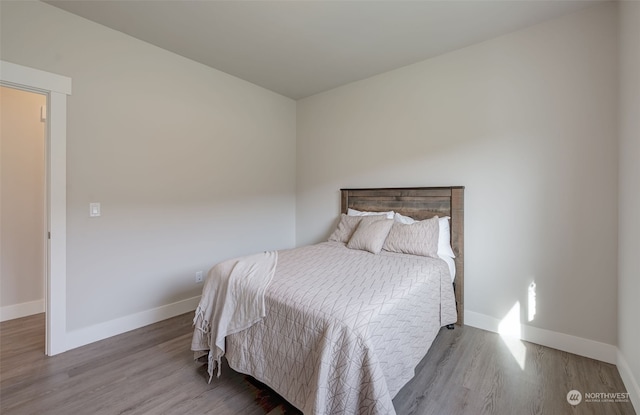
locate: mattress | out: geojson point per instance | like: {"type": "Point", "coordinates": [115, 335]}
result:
{"type": "Point", "coordinates": [344, 329]}
{"type": "Point", "coordinates": [451, 263]}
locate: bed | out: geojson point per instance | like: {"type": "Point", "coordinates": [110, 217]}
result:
{"type": "Point", "coordinates": [344, 328]}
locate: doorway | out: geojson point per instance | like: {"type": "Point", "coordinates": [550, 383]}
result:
{"type": "Point", "coordinates": [56, 88]}
{"type": "Point", "coordinates": [23, 203]}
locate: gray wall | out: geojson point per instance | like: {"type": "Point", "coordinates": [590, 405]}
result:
{"type": "Point", "coordinates": [191, 165]}
{"type": "Point", "coordinates": [528, 123]}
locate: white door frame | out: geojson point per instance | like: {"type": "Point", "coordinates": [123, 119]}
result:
{"type": "Point", "coordinates": [56, 87]}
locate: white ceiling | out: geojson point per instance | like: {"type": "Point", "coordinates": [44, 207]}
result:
{"type": "Point", "coordinates": [300, 48]}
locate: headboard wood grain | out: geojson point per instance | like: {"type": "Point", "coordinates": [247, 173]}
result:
{"type": "Point", "coordinates": [420, 203]}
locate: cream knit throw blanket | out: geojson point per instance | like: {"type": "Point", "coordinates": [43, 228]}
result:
{"type": "Point", "coordinates": [232, 300]}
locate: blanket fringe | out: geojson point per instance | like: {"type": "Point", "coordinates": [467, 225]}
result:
{"type": "Point", "coordinates": [215, 362]}
{"type": "Point", "coordinates": [200, 323]}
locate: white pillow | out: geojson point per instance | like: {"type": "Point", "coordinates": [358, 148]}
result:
{"type": "Point", "coordinates": [403, 219]}
{"type": "Point", "coordinates": [352, 212]}
{"type": "Point", "coordinates": [444, 237]}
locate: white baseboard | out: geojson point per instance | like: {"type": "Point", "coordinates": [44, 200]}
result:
{"type": "Point", "coordinates": [9, 312]}
{"type": "Point", "coordinates": [577, 345]}
{"type": "Point", "coordinates": [630, 382]}
{"type": "Point", "coordinates": [84, 336]}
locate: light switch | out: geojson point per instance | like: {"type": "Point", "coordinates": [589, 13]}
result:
{"type": "Point", "coordinates": [94, 209]}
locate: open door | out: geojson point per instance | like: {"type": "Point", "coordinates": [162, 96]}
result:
{"type": "Point", "coordinates": [56, 88]}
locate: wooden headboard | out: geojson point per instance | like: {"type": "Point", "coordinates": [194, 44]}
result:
{"type": "Point", "coordinates": [420, 203]}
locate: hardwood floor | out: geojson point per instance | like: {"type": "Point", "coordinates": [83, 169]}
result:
{"type": "Point", "coordinates": [150, 371]}
{"type": "Point", "coordinates": [472, 371]}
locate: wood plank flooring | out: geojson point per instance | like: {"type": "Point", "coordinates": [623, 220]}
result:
{"type": "Point", "coordinates": [150, 371]}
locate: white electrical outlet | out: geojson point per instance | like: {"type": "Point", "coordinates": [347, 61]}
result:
{"type": "Point", "coordinates": [199, 277]}
{"type": "Point", "coordinates": [94, 209]}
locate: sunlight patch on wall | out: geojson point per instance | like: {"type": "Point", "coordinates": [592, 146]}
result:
{"type": "Point", "coordinates": [531, 302]}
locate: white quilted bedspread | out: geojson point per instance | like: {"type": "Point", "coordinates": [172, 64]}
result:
{"type": "Point", "coordinates": [344, 328]}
